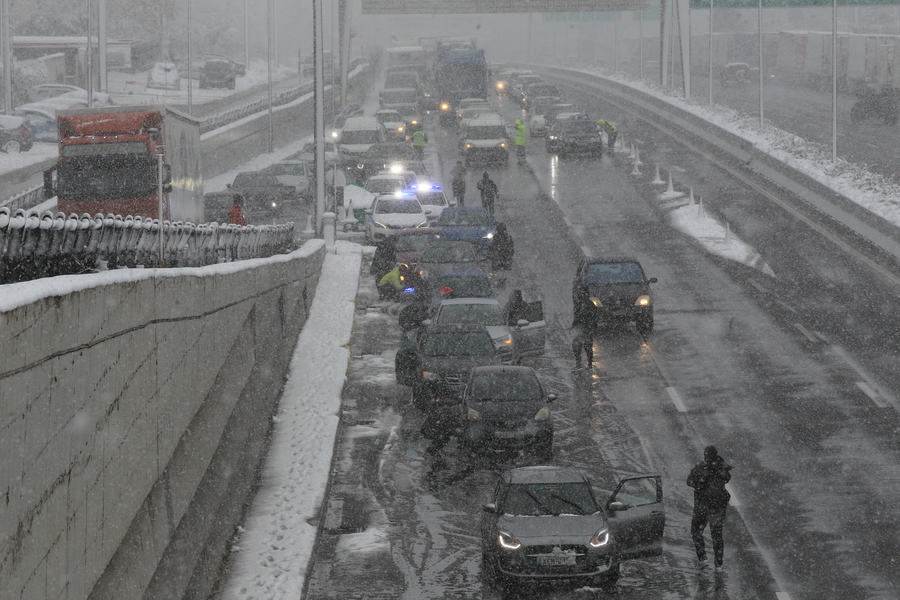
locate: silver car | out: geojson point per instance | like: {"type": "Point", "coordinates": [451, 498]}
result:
{"type": "Point", "coordinates": [545, 524]}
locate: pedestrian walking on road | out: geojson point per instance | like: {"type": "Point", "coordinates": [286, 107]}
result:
{"type": "Point", "coordinates": [489, 193]}
{"type": "Point", "coordinates": [708, 480]}
{"type": "Point", "coordinates": [584, 326]}
{"type": "Point", "coordinates": [521, 138]}
{"type": "Point", "coordinates": [418, 141]}
{"type": "Point", "coordinates": [459, 183]}
{"type": "Point", "coordinates": [501, 249]}
{"type": "Point", "coordinates": [235, 214]}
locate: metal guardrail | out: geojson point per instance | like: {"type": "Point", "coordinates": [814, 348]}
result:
{"type": "Point", "coordinates": [36, 245]}
{"type": "Point", "coordinates": [25, 199]}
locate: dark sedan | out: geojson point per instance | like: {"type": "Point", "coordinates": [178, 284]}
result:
{"type": "Point", "coordinates": [574, 136]}
{"type": "Point", "coordinates": [262, 192]}
{"type": "Point", "coordinates": [544, 524]}
{"type": "Point", "coordinates": [505, 408]}
{"type": "Point", "coordinates": [616, 289]}
{"type": "Point", "coordinates": [435, 361]}
{"type": "Point", "coordinates": [472, 224]}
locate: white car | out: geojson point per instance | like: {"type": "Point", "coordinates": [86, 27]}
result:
{"type": "Point", "coordinates": [433, 199]}
{"type": "Point", "coordinates": [391, 214]}
{"type": "Point", "coordinates": [467, 114]}
{"type": "Point", "coordinates": [513, 342]}
{"type": "Point", "coordinates": [394, 123]}
{"type": "Point", "coordinates": [537, 122]}
{"type": "Point", "coordinates": [469, 103]}
{"type": "Point", "coordinates": [165, 76]}
{"type": "Point", "coordinates": [386, 184]}
{"type": "Point", "coordinates": [295, 173]}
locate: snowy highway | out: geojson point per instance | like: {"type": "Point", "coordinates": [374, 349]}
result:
{"type": "Point", "coordinates": [790, 375]}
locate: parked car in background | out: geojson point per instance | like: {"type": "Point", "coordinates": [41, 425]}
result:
{"type": "Point", "coordinates": [392, 213]}
{"type": "Point", "coordinates": [164, 76]}
{"type": "Point", "coordinates": [216, 206]}
{"type": "Point", "coordinates": [262, 192]}
{"type": "Point", "coordinates": [14, 135]}
{"type": "Point", "coordinates": [41, 122]}
{"type": "Point", "coordinates": [217, 73]}
{"type": "Point", "coordinates": [50, 90]}
{"type": "Point", "coordinates": [545, 524]}
{"type": "Point", "coordinates": [411, 243]}
{"type": "Point", "coordinates": [524, 337]}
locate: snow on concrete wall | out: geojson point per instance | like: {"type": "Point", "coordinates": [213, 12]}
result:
{"type": "Point", "coordinates": [133, 415]}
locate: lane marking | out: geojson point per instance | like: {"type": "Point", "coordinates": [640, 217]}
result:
{"type": "Point", "coordinates": [806, 333]}
{"type": "Point", "coordinates": [567, 221]}
{"type": "Point", "coordinates": [587, 252]}
{"type": "Point", "coordinates": [676, 399]}
{"type": "Point", "coordinates": [872, 394]}
{"type": "Point", "coordinates": [782, 596]}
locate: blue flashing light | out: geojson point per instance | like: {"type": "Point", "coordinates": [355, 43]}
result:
{"type": "Point", "coordinates": [409, 290]}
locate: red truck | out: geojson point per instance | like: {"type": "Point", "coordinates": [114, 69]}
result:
{"type": "Point", "coordinates": [109, 163]}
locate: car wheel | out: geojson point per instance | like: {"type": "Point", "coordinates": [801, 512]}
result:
{"type": "Point", "coordinates": [12, 147]}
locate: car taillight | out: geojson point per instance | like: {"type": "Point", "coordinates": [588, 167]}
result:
{"type": "Point", "coordinates": [26, 132]}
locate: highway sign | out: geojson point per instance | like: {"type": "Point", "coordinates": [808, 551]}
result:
{"type": "Point", "coordinates": [409, 7]}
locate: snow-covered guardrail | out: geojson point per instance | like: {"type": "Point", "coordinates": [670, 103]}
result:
{"type": "Point", "coordinates": [36, 245]}
{"type": "Point", "coordinates": [850, 217]}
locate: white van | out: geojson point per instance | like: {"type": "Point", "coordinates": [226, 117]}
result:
{"type": "Point", "coordinates": [357, 134]}
{"type": "Point", "coordinates": [485, 137]}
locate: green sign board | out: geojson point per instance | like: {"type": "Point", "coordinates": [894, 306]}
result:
{"type": "Point", "coordinates": [787, 3]}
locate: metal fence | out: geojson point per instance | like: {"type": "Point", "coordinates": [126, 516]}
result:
{"type": "Point", "coordinates": [36, 245]}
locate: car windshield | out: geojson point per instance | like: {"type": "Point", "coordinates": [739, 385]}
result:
{"type": "Point", "coordinates": [360, 136]}
{"type": "Point", "coordinates": [399, 97]}
{"type": "Point", "coordinates": [470, 314]}
{"type": "Point", "coordinates": [384, 186]}
{"type": "Point", "coordinates": [471, 218]}
{"type": "Point", "coordinates": [408, 111]}
{"type": "Point", "coordinates": [478, 110]}
{"type": "Point", "coordinates": [559, 109]}
{"type": "Point", "coordinates": [450, 253]}
{"type": "Point", "coordinates": [544, 499]}
{"type": "Point", "coordinates": [614, 273]}
{"type": "Point", "coordinates": [432, 198]}
{"type": "Point", "coordinates": [506, 386]}
{"type": "Point", "coordinates": [579, 126]}
{"type": "Point", "coordinates": [398, 207]}
{"type": "Point", "coordinates": [467, 287]}
{"type": "Point", "coordinates": [485, 132]}
{"type": "Point", "coordinates": [414, 243]}
{"type": "Point", "coordinates": [287, 169]}
{"type": "Point", "coordinates": [458, 344]}
{"type": "Point", "coordinates": [255, 180]}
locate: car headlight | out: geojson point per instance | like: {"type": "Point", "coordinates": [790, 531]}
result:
{"type": "Point", "coordinates": [488, 236]}
{"type": "Point", "coordinates": [500, 85]}
{"type": "Point", "coordinates": [542, 415]}
{"type": "Point", "coordinates": [445, 106]}
{"type": "Point", "coordinates": [508, 541]}
{"type": "Point", "coordinates": [468, 145]}
{"type": "Point", "coordinates": [429, 376]}
{"type": "Point", "coordinates": [423, 223]}
{"type": "Point", "coordinates": [596, 301]}
{"type": "Point", "coordinates": [274, 204]}
{"type": "Point", "coordinates": [400, 128]}
{"type": "Point", "coordinates": [600, 539]}
{"type": "Point", "coordinates": [415, 122]}
{"type": "Point", "coordinates": [473, 414]}
{"type": "Point", "coordinates": [643, 300]}
{"type": "Point", "coordinates": [501, 145]}
{"type": "Point", "coordinates": [382, 225]}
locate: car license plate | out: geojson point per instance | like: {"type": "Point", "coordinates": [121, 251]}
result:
{"type": "Point", "coordinates": [506, 435]}
{"type": "Point", "coordinates": [555, 561]}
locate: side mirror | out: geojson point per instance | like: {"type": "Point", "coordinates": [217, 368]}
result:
{"type": "Point", "coordinates": [490, 508]}
{"type": "Point", "coordinates": [617, 506]}
{"type": "Point", "coordinates": [551, 397]}
{"type": "Point", "coordinates": [652, 280]}
{"type": "Point", "coordinates": [522, 322]}
{"type": "Point", "coordinates": [428, 211]}
{"type": "Point", "coordinates": [427, 322]}
{"type": "Point", "coordinates": [228, 185]}
{"type": "Point", "coordinates": [368, 211]}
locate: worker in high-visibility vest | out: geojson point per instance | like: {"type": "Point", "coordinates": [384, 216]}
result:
{"type": "Point", "coordinates": [521, 138]}
{"type": "Point", "coordinates": [418, 141]}
{"type": "Point", "coordinates": [611, 133]}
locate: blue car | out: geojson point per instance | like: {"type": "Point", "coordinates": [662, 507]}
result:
{"type": "Point", "coordinates": [468, 223]}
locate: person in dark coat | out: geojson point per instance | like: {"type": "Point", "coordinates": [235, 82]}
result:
{"type": "Point", "coordinates": [501, 249]}
{"type": "Point", "coordinates": [708, 480]}
{"type": "Point", "coordinates": [384, 258]}
{"type": "Point", "coordinates": [489, 193]}
{"type": "Point", "coordinates": [459, 183]}
{"type": "Point", "coordinates": [516, 308]}
{"type": "Point", "coordinates": [584, 326]}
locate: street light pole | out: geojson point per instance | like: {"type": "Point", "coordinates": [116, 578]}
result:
{"type": "Point", "coordinates": [270, 143]}
{"type": "Point", "coordinates": [7, 56]}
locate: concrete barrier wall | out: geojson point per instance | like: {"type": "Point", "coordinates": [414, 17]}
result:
{"type": "Point", "coordinates": [129, 442]}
